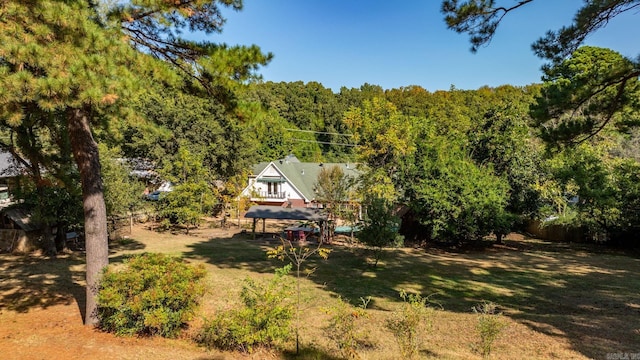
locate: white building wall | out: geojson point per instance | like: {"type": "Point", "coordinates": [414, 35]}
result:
{"type": "Point", "coordinates": [261, 187]}
{"type": "Point", "coordinates": [271, 171]}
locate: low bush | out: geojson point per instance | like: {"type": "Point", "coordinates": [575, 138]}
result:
{"type": "Point", "coordinates": [490, 325]}
{"type": "Point", "coordinates": [411, 323]}
{"type": "Point", "coordinates": [154, 294]}
{"type": "Point", "coordinates": [264, 320]}
{"type": "Point", "coordinates": [345, 328]}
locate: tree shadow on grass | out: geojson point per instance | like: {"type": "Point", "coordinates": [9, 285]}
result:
{"type": "Point", "coordinates": [240, 251]}
{"type": "Point", "coordinates": [30, 282]}
{"type": "Point", "coordinates": [570, 291]}
{"type": "Point", "coordinates": [123, 249]}
{"type": "Point", "coordinates": [125, 244]}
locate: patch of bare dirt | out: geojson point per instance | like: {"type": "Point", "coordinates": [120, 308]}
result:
{"type": "Point", "coordinates": [57, 332]}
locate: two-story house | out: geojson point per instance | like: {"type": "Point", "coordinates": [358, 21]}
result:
{"type": "Point", "coordinates": [288, 182]}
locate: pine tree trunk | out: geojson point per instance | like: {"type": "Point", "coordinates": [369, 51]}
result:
{"type": "Point", "coordinates": [85, 152]}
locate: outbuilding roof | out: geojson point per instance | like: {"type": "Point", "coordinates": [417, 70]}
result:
{"type": "Point", "coordinates": [20, 217]}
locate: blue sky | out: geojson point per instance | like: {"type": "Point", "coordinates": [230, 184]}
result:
{"type": "Point", "coordinates": [393, 44]}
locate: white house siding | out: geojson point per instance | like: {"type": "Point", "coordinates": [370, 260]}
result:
{"type": "Point", "coordinates": [270, 171]}
{"type": "Point", "coordinates": [285, 192]}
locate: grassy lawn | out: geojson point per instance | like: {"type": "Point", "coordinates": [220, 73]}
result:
{"type": "Point", "coordinates": [560, 300]}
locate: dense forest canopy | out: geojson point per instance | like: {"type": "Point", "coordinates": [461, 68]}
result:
{"type": "Point", "coordinates": [467, 162]}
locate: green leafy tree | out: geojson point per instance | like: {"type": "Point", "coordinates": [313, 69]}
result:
{"type": "Point", "coordinates": [276, 137]}
{"type": "Point", "coordinates": [379, 227]}
{"type": "Point", "coordinates": [173, 119]}
{"type": "Point", "coordinates": [411, 100]}
{"type": "Point", "coordinates": [314, 114]}
{"type": "Point", "coordinates": [452, 196]}
{"type": "Point", "coordinates": [192, 197]}
{"type": "Point", "coordinates": [596, 191]}
{"type": "Point", "coordinates": [576, 109]}
{"type": "Point", "coordinates": [122, 193]}
{"type": "Point", "coordinates": [589, 98]}
{"type": "Point", "coordinates": [40, 146]}
{"type": "Point", "coordinates": [355, 97]}
{"type": "Point", "coordinates": [386, 141]}
{"type": "Point", "coordinates": [503, 140]}
{"type": "Point", "coordinates": [332, 189]}
{"type": "Point", "coordinates": [53, 204]}
{"type": "Point", "coordinates": [385, 136]}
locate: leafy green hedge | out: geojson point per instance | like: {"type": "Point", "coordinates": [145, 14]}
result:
{"type": "Point", "coordinates": [155, 294]}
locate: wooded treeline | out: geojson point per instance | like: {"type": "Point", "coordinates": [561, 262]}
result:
{"type": "Point", "coordinates": [466, 162]}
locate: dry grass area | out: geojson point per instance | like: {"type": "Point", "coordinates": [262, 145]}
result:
{"type": "Point", "coordinates": [563, 301]}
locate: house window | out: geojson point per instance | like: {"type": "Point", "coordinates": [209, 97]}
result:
{"type": "Point", "coordinates": [272, 188]}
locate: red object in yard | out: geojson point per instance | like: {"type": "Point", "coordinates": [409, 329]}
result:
{"type": "Point", "coordinates": [289, 235]}
{"type": "Point", "coordinates": [301, 235]}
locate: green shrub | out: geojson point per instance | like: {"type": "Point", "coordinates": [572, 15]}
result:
{"type": "Point", "coordinates": [489, 327]}
{"type": "Point", "coordinates": [154, 294]}
{"type": "Point", "coordinates": [410, 324]}
{"type": "Point", "coordinates": [344, 328]}
{"type": "Point", "coordinates": [264, 320]}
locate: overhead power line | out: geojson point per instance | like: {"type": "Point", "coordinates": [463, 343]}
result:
{"type": "Point", "coordinates": [319, 132]}
{"type": "Point", "coordinates": [324, 142]}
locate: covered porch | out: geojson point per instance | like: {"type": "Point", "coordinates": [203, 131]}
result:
{"type": "Point", "coordinates": [264, 212]}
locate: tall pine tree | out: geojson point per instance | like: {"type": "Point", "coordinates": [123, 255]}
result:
{"type": "Point", "coordinates": [66, 59]}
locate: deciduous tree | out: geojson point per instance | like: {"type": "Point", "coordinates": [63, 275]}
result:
{"type": "Point", "coordinates": [386, 140]}
{"type": "Point", "coordinates": [122, 192]}
{"type": "Point", "coordinates": [380, 226]}
{"type": "Point", "coordinates": [455, 198]}
{"type": "Point", "coordinates": [333, 191]}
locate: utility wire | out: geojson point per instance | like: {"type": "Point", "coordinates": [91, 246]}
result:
{"type": "Point", "coordinates": [323, 142]}
{"type": "Point", "coordinates": [319, 132]}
